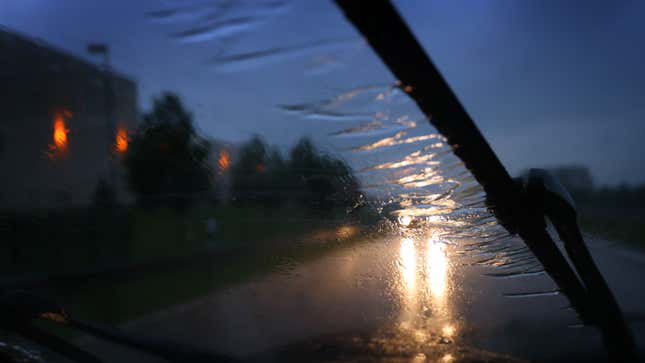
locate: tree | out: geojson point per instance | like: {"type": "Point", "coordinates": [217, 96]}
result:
{"type": "Point", "coordinates": [261, 174]}
{"type": "Point", "coordinates": [328, 181]}
{"type": "Point", "coordinates": [258, 175]}
{"type": "Point", "coordinates": [166, 159]}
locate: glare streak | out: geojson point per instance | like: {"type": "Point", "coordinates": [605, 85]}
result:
{"type": "Point", "coordinates": [397, 139]}
{"type": "Point", "coordinates": [407, 261]}
{"type": "Point", "coordinates": [437, 270]}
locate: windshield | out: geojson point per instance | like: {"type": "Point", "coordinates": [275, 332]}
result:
{"type": "Point", "coordinates": [252, 180]}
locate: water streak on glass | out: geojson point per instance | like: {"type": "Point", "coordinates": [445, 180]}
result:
{"type": "Point", "coordinates": [220, 29]}
{"type": "Point", "coordinates": [260, 58]}
{"type": "Point", "coordinates": [437, 206]}
{"type": "Point", "coordinates": [215, 20]}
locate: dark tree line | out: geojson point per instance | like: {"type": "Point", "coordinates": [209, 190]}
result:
{"type": "Point", "coordinates": [167, 163]}
{"type": "Point", "coordinates": [579, 182]}
{"type": "Point", "coordinates": [306, 177]}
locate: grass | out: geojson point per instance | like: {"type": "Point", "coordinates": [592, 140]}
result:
{"type": "Point", "coordinates": [42, 242]}
{"type": "Point", "coordinates": [622, 227]}
{"type": "Point", "coordinates": [615, 213]}
{"type": "Point", "coordinates": [75, 240]}
{"type": "Point", "coordinates": [249, 241]}
{"type": "Point", "coordinates": [120, 301]}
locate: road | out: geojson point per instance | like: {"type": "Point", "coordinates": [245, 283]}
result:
{"type": "Point", "coordinates": [400, 297]}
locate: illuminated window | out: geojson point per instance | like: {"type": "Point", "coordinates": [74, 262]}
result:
{"type": "Point", "coordinates": [59, 135]}
{"type": "Point", "coordinates": [224, 160]}
{"type": "Point", "coordinates": [60, 129]}
{"type": "Point", "coordinates": [121, 144]}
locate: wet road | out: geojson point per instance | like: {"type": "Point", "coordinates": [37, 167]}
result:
{"type": "Point", "coordinates": [414, 296]}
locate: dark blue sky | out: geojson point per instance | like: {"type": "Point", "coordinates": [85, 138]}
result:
{"type": "Point", "coordinates": [548, 82]}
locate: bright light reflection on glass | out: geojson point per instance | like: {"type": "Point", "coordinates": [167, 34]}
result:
{"type": "Point", "coordinates": [448, 331]}
{"type": "Point", "coordinates": [405, 220]}
{"type": "Point", "coordinates": [437, 269]}
{"type": "Point", "coordinates": [419, 358]}
{"type": "Point", "coordinates": [425, 289]}
{"type": "Point", "coordinates": [408, 263]}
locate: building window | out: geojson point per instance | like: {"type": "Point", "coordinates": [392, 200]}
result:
{"type": "Point", "coordinates": [121, 143]}
{"type": "Point", "coordinates": [60, 137]}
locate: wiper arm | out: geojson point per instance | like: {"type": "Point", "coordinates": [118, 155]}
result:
{"type": "Point", "coordinates": [54, 343]}
{"type": "Point", "coordinates": [18, 311]}
{"type": "Point", "coordinates": [391, 39]}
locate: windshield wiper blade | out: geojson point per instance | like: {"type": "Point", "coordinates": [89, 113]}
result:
{"type": "Point", "coordinates": [391, 39]}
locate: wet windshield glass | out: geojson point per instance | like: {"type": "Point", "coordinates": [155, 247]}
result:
{"type": "Point", "coordinates": [248, 179]}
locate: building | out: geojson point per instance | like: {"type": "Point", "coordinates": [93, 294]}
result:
{"type": "Point", "coordinates": [64, 125]}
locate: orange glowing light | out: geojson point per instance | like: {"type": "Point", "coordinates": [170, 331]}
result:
{"type": "Point", "coordinates": [58, 148]}
{"type": "Point", "coordinates": [121, 140]}
{"type": "Point", "coordinates": [224, 160]}
{"type": "Point", "coordinates": [60, 130]}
